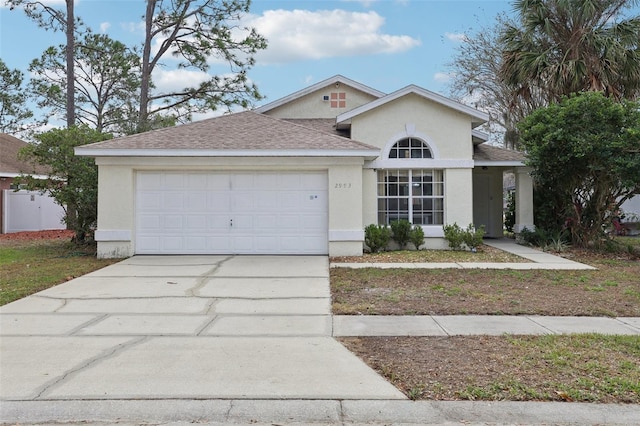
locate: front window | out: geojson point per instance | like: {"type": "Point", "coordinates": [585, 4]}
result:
{"type": "Point", "coordinates": [416, 195]}
{"type": "Point", "coordinates": [410, 148]}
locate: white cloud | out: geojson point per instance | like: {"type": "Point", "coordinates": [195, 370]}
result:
{"type": "Point", "coordinates": [104, 26]}
{"type": "Point", "coordinates": [167, 81]}
{"type": "Point", "coordinates": [442, 77]}
{"type": "Point", "coordinates": [301, 34]}
{"type": "Point", "coordinates": [133, 27]}
{"type": "Point", "coordinates": [457, 37]}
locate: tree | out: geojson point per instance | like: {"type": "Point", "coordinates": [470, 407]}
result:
{"type": "Point", "coordinates": [585, 155]}
{"type": "Point", "coordinates": [47, 16]}
{"type": "Point", "coordinates": [195, 32]}
{"type": "Point", "coordinates": [561, 47]}
{"type": "Point", "coordinates": [107, 81]}
{"type": "Point", "coordinates": [13, 112]}
{"type": "Point", "coordinates": [476, 68]}
{"type": "Point", "coordinates": [74, 181]}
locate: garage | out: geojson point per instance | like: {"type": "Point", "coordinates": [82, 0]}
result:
{"type": "Point", "coordinates": [231, 212]}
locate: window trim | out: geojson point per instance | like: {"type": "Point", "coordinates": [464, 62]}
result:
{"type": "Point", "coordinates": [410, 197]}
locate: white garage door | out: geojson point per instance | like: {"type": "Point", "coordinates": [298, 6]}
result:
{"type": "Point", "coordinates": [231, 213]}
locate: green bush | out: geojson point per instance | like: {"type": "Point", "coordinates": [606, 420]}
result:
{"type": "Point", "coordinates": [472, 237]}
{"type": "Point", "coordinates": [416, 236]}
{"type": "Point", "coordinates": [377, 237]}
{"type": "Point", "coordinates": [454, 235]}
{"type": "Point", "coordinates": [401, 230]}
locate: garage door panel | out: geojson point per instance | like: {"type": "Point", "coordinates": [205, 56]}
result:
{"type": "Point", "coordinates": [197, 200]}
{"type": "Point", "coordinates": [196, 223]}
{"type": "Point", "coordinates": [172, 243]}
{"type": "Point", "coordinates": [172, 222]}
{"type": "Point", "coordinates": [175, 181]}
{"type": "Point", "coordinates": [196, 244]}
{"type": "Point", "coordinates": [242, 201]}
{"type": "Point", "coordinates": [218, 201]}
{"type": "Point", "coordinates": [221, 213]}
{"type": "Point", "coordinates": [173, 201]}
{"type": "Point", "coordinates": [218, 182]}
{"type": "Point", "coordinates": [150, 222]}
{"type": "Point", "coordinates": [150, 200]}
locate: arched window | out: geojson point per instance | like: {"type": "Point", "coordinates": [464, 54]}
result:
{"type": "Point", "coordinates": [410, 148]}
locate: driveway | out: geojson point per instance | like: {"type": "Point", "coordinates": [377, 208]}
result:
{"type": "Point", "coordinates": [179, 327]}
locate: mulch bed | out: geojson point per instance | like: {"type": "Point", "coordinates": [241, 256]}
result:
{"type": "Point", "coordinates": [54, 234]}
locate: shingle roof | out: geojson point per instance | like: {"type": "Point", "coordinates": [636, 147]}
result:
{"type": "Point", "coordinates": [242, 131]}
{"type": "Point", "coordinates": [327, 125]}
{"type": "Point", "coordinates": [9, 163]}
{"type": "Point", "coordinates": [488, 153]}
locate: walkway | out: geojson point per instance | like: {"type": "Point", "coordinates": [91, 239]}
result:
{"type": "Point", "coordinates": [539, 260]}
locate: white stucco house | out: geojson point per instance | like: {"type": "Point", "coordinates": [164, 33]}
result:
{"type": "Point", "coordinates": [304, 175]}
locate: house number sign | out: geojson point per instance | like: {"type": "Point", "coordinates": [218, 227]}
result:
{"type": "Point", "coordinates": [343, 185]}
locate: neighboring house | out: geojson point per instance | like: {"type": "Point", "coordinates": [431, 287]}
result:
{"type": "Point", "coordinates": [23, 210]}
{"type": "Point", "coordinates": [304, 175]}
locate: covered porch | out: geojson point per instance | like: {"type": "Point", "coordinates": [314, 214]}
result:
{"type": "Point", "coordinates": [489, 194]}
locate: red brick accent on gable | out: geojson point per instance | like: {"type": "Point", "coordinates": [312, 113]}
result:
{"type": "Point", "coordinates": [338, 100]}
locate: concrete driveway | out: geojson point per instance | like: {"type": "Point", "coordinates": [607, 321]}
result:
{"type": "Point", "coordinates": [178, 327]}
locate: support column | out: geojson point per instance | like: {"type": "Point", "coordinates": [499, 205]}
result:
{"type": "Point", "coordinates": [524, 200]}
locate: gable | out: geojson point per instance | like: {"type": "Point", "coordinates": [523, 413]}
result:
{"type": "Point", "coordinates": [447, 131]}
{"type": "Point", "coordinates": [323, 100]}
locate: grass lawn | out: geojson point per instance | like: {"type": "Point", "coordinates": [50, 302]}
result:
{"type": "Point", "coordinates": [581, 367]}
{"type": "Point", "coordinates": [611, 290]}
{"type": "Point", "coordinates": [29, 266]}
{"type": "Point", "coordinates": [585, 368]}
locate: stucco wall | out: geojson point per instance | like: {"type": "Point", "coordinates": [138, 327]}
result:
{"type": "Point", "coordinates": [116, 195]}
{"type": "Point", "coordinates": [312, 105]}
{"type": "Point", "coordinates": [446, 130]}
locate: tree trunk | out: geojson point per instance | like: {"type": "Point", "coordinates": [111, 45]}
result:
{"type": "Point", "coordinates": [143, 114]}
{"type": "Point", "coordinates": [71, 87]}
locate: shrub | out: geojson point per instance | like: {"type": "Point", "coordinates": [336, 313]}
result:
{"type": "Point", "coordinates": [416, 236]}
{"type": "Point", "coordinates": [377, 237]}
{"type": "Point", "coordinates": [472, 237]}
{"type": "Point", "coordinates": [401, 230]}
{"type": "Point", "coordinates": [454, 235]}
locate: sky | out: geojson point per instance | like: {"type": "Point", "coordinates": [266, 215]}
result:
{"type": "Point", "coordinates": [384, 44]}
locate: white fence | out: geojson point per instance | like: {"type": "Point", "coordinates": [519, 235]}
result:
{"type": "Point", "coordinates": [30, 211]}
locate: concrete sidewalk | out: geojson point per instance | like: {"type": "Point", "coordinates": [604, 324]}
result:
{"type": "Point", "coordinates": [469, 325]}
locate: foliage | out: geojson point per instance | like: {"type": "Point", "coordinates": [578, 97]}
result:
{"type": "Point", "coordinates": [475, 74]}
{"type": "Point", "coordinates": [107, 81]}
{"type": "Point", "coordinates": [194, 32]}
{"type": "Point", "coordinates": [585, 156]}
{"type": "Point", "coordinates": [560, 47]}
{"type": "Point", "coordinates": [416, 236]}
{"type": "Point", "coordinates": [49, 16]}
{"type": "Point", "coordinates": [14, 114]}
{"type": "Point", "coordinates": [454, 234]}
{"type": "Point", "coordinates": [74, 181]}
{"type": "Point", "coordinates": [401, 230]}
{"type": "Point", "coordinates": [377, 237]}
{"type": "Point", "coordinates": [472, 236]}
{"type": "Point", "coordinates": [459, 237]}
{"type": "Point", "coordinates": [510, 213]}
{"type": "Point", "coordinates": [203, 37]}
